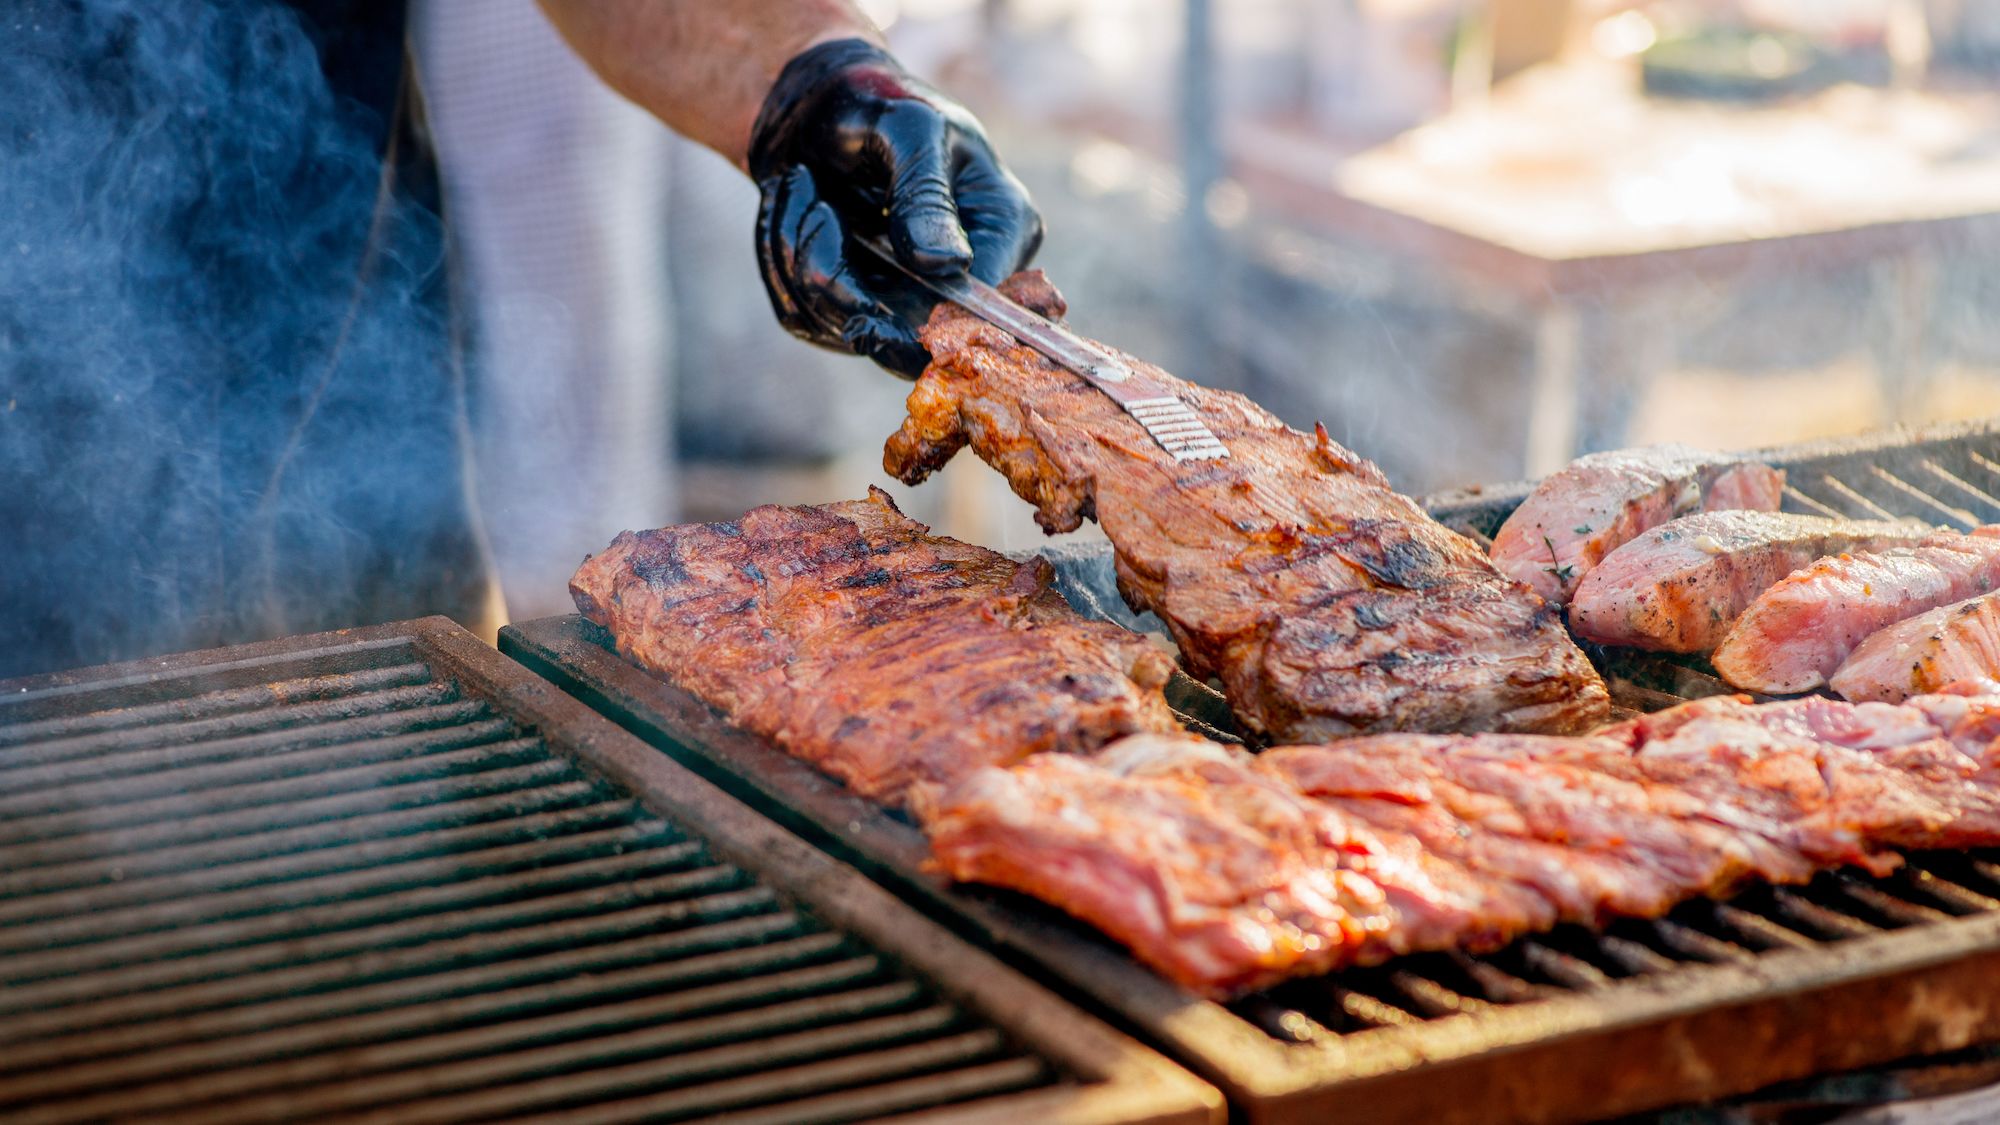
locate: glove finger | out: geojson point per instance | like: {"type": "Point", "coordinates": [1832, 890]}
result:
{"type": "Point", "coordinates": [888, 342]}
{"type": "Point", "coordinates": [924, 227]}
{"type": "Point", "coordinates": [783, 204]}
{"type": "Point", "coordinates": [883, 307]}
{"type": "Point", "coordinates": [808, 250]}
{"type": "Point", "coordinates": [1001, 222]}
{"type": "Point", "coordinates": [863, 310]}
{"type": "Point", "coordinates": [827, 285]}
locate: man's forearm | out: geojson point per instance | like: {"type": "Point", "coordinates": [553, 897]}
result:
{"type": "Point", "coordinates": [701, 66]}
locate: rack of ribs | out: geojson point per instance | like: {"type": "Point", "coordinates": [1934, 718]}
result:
{"type": "Point", "coordinates": [1228, 872]}
{"type": "Point", "coordinates": [1326, 603]}
{"type": "Point", "coordinates": [893, 659]}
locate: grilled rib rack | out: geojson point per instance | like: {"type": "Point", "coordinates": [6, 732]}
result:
{"type": "Point", "coordinates": [387, 874]}
{"type": "Point", "coordinates": [1716, 999]}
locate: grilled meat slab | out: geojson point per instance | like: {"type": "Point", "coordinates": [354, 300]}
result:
{"type": "Point", "coordinates": [1324, 601]}
{"type": "Point", "coordinates": [1798, 632]}
{"type": "Point", "coordinates": [1227, 872]}
{"type": "Point", "coordinates": [1582, 513]}
{"type": "Point", "coordinates": [1968, 711]}
{"type": "Point", "coordinates": [891, 658]}
{"type": "Point", "coordinates": [1924, 653]}
{"type": "Point", "coordinates": [1914, 776]}
{"type": "Point", "coordinates": [1680, 586]}
{"type": "Point", "coordinates": [1216, 874]}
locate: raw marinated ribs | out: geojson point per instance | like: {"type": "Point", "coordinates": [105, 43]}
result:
{"type": "Point", "coordinates": [1326, 603]}
{"type": "Point", "coordinates": [1798, 632]}
{"type": "Point", "coordinates": [1601, 501]}
{"type": "Point", "coordinates": [1680, 586]}
{"type": "Point", "coordinates": [1227, 872]}
{"type": "Point", "coordinates": [891, 658]}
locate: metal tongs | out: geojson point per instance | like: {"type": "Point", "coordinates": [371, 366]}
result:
{"type": "Point", "coordinates": [1162, 412]}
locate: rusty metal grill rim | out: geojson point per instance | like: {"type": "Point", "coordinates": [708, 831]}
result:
{"type": "Point", "coordinates": [616, 809]}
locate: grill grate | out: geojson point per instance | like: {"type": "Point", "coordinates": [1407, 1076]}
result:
{"type": "Point", "coordinates": [341, 882]}
{"type": "Point", "coordinates": [1714, 999]}
{"type": "Point", "coordinates": [1835, 907]}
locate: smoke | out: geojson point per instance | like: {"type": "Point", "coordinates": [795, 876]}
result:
{"type": "Point", "coordinates": [224, 410]}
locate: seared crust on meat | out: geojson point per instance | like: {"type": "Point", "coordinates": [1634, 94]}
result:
{"type": "Point", "coordinates": [1326, 603]}
{"type": "Point", "coordinates": [891, 658]}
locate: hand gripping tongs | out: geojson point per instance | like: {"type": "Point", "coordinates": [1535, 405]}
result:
{"type": "Point", "coordinates": [1165, 416]}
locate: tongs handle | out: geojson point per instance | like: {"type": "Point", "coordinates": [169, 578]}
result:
{"type": "Point", "coordinates": [1024, 324]}
{"type": "Point", "coordinates": [1167, 418]}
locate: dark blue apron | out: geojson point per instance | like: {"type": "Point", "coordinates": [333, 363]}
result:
{"type": "Point", "coordinates": [229, 407]}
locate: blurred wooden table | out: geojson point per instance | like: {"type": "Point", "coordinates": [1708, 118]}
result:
{"type": "Point", "coordinates": [1582, 199]}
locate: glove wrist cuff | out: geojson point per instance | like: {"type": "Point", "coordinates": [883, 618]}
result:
{"type": "Point", "coordinates": [807, 70]}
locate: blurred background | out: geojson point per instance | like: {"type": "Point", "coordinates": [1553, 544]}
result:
{"type": "Point", "coordinates": [1473, 238]}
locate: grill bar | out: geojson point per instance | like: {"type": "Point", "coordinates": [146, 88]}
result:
{"type": "Point", "coordinates": [467, 1092]}
{"type": "Point", "coordinates": [1896, 910]}
{"type": "Point", "coordinates": [537, 785]}
{"type": "Point", "coordinates": [959, 1053]}
{"type": "Point", "coordinates": [1923, 501]}
{"type": "Point", "coordinates": [1959, 899]}
{"type": "Point", "coordinates": [389, 876]}
{"type": "Point", "coordinates": [111, 968]}
{"type": "Point", "coordinates": [476, 1055]}
{"type": "Point", "coordinates": [402, 1007]}
{"type": "Point", "coordinates": [95, 691]}
{"type": "Point", "coordinates": [885, 1056]}
{"type": "Point", "coordinates": [592, 857]}
{"type": "Point", "coordinates": [1812, 506]}
{"type": "Point", "coordinates": [897, 1097]}
{"type": "Point", "coordinates": [1636, 957]}
{"type": "Point", "coordinates": [274, 756]}
{"type": "Point", "coordinates": [120, 1001]}
{"type": "Point", "coordinates": [416, 757]}
{"type": "Point", "coordinates": [348, 694]}
{"type": "Point", "coordinates": [70, 889]}
{"type": "Point", "coordinates": [450, 996]}
{"type": "Point", "coordinates": [1982, 503]}
{"type": "Point", "coordinates": [416, 707]}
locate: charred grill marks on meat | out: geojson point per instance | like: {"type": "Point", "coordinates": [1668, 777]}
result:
{"type": "Point", "coordinates": [891, 658]}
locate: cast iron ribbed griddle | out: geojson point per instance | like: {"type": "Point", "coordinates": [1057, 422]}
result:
{"type": "Point", "coordinates": [1717, 999]}
{"type": "Point", "coordinates": [388, 875]}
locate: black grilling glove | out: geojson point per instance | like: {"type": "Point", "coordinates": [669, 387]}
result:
{"type": "Point", "coordinates": [849, 144]}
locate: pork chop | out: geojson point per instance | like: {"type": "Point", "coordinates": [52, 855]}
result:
{"type": "Point", "coordinates": [1600, 501]}
{"type": "Point", "coordinates": [1925, 653]}
{"type": "Point", "coordinates": [1799, 631]}
{"type": "Point", "coordinates": [1680, 586]}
